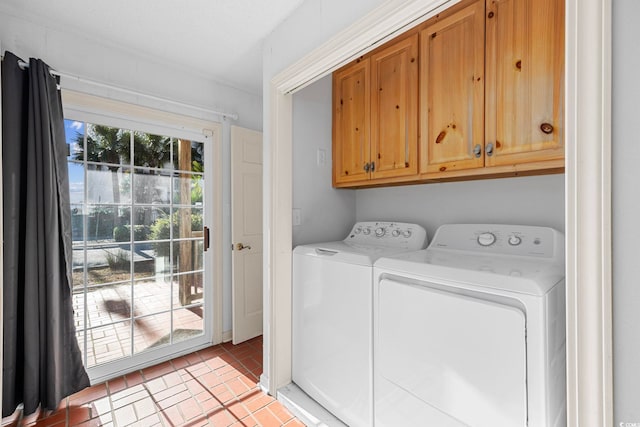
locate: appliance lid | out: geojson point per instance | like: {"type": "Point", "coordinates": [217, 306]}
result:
{"type": "Point", "coordinates": [343, 251]}
{"type": "Point", "coordinates": [514, 274]}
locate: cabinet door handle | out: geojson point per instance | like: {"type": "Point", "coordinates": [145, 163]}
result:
{"type": "Point", "coordinates": [489, 149]}
{"type": "Point", "coordinates": [477, 150]}
{"type": "Point", "coordinates": [373, 166]}
{"type": "Point", "coordinates": [367, 166]}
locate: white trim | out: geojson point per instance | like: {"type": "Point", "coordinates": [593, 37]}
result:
{"type": "Point", "coordinates": [588, 213]}
{"type": "Point", "coordinates": [588, 220]}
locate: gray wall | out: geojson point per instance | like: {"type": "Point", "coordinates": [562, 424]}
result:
{"type": "Point", "coordinates": [626, 212]}
{"type": "Point", "coordinates": [527, 200]}
{"type": "Point", "coordinates": [326, 213]}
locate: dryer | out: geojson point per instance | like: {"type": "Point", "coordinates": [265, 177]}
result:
{"type": "Point", "coordinates": [471, 331]}
{"type": "Point", "coordinates": [332, 315]}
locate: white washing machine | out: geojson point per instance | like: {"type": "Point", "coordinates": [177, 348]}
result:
{"type": "Point", "coordinates": [471, 331]}
{"type": "Point", "coordinates": [332, 315]}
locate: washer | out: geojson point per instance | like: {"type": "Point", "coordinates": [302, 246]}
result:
{"type": "Point", "coordinates": [471, 331]}
{"type": "Point", "coordinates": [332, 315]}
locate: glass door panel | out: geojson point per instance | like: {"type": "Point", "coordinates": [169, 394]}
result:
{"type": "Point", "coordinates": [137, 209]}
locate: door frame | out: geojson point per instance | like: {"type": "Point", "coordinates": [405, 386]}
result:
{"type": "Point", "coordinates": [587, 192]}
{"type": "Point", "coordinates": [93, 108]}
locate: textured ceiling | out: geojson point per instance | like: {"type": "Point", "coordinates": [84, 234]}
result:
{"type": "Point", "coordinates": [218, 38]}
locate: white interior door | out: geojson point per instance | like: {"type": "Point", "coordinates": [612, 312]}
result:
{"type": "Point", "coordinates": [246, 232]}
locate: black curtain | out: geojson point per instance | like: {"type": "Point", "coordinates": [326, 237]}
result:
{"type": "Point", "coordinates": [42, 362]}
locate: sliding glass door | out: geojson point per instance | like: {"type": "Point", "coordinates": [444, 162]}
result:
{"type": "Point", "coordinates": [139, 210]}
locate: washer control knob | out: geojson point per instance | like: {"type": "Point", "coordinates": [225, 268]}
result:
{"type": "Point", "coordinates": [380, 231]}
{"type": "Point", "coordinates": [406, 233]}
{"type": "Point", "coordinates": [514, 240]}
{"type": "Point", "coordinates": [358, 230]}
{"type": "Point", "coordinates": [396, 232]}
{"type": "Point", "coordinates": [486, 239]}
{"type": "Point", "coordinates": [366, 231]}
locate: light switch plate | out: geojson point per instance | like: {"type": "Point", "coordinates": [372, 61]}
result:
{"type": "Point", "coordinates": [297, 216]}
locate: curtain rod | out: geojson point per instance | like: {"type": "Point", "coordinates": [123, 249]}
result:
{"type": "Point", "coordinates": [233, 116]}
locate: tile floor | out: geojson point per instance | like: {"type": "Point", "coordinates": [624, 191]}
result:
{"type": "Point", "coordinates": [216, 386]}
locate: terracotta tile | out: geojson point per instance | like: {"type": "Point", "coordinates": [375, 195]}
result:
{"type": "Point", "coordinates": [117, 384]}
{"type": "Point", "coordinates": [129, 399]}
{"type": "Point", "coordinates": [198, 369]}
{"type": "Point", "coordinates": [210, 406]}
{"type": "Point", "coordinates": [150, 421]}
{"type": "Point", "coordinates": [259, 402]}
{"type": "Point", "coordinates": [125, 415]}
{"type": "Point", "coordinates": [221, 418]}
{"type": "Point", "coordinates": [78, 415]}
{"type": "Point", "coordinates": [222, 393]}
{"type": "Point", "coordinates": [157, 370]}
{"type": "Point", "coordinates": [88, 394]}
{"type": "Point", "coordinates": [192, 358]}
{"type": "Point", "coordinates": [94, 422]}
{"type": "Point", "coordinates": [226, 369]}
{"type": "Point", "coordinates": [174, 399]}
{"type": "Point", "coordinates": [194, 386]}
{"type": "Point", "coordinates": [266, 418]}
{"type": "Point", "coordinates": [190, 409]}
{"type": "Point", "coordinates": [237, 409]}
{"type": "Point", "coordinates": [172, 416]}
{"type": "Point", "coordinates": [237, 386]}
{"type": "Point", "coordinates": [215, 363]}
{"type": "Point", "coordinates": [246, 422]}
{"type": "Point", "coordinates": [248, 381]}
{"type": "Point", "coordinates": [180, 362]}
{"type": "Point", "coordinates": [210, 379]}
{"type": "Point", "coordinates": [100, 407]}
{"type": "Point", "coordinates": [156, 385]}
{"type": "Point", "coordinates": [145, 408]}
{"type": "Point", "coordinates": [172, 379]}
{"type": "Point", "coordinates": [280, 412]}
{"type": "Point", "coordinates": [294, 423]}
{"type": "Point", "coordinates": [134, 378]}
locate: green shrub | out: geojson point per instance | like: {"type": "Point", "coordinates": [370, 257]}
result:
{"type": "Point", "coordinates": [119, 261]}
{"type": "Point", "coordinates": [122, 233]}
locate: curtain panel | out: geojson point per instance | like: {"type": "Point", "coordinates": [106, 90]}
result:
{"type": "Point", "coordinates": [42, 362]}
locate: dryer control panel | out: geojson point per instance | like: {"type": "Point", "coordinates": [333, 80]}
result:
{"type": "Point", "coordinates": [388, 234]}
{"type": "Point", "coordinates": [541, 242]}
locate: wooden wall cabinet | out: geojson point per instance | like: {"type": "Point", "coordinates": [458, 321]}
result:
{"type": "Point", "coordinates": [525, 82]}
{"type": "Point", "coordinates": [375, 117]}
{"type": "Point", "coordinates": [490, 88]}
{"type": "Point", "coordinates": [452, 92]}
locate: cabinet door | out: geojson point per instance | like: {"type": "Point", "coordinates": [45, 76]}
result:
{"type": "Point", "coordinates": [525, 76]}
{"type": "Point", "coordinates": [351, 107]}
{"type": "Point", "coordinates": [394, 110]}
{"type": "Point", "coordinates": [452, 92]}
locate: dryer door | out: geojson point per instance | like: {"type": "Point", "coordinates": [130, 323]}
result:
{"type": "Point", "coordinates": [447, 359]}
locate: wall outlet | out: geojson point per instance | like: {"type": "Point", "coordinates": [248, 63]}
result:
{"type": "Point", "coordinates": [297, 216]}
{"type": "Point", "coordinates": [322, 157]}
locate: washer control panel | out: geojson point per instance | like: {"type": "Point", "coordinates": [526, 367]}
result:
{"type": "Point", "coordinates": [388, 234]}
{"type": "Point", "coordinates": [523, 240]}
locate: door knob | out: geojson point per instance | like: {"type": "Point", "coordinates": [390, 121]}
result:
{"type": "Point", "coordinates": [240, 246]}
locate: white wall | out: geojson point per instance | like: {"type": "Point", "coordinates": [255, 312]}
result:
{"type": "Point", "coordinates": [98, 60]}
{"type": "Point", "coordinates": [626, 212]}
{"type": "Point", "coordinates": [525, 201]}
{"type": "Point", "coordinates": [326, 213]}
